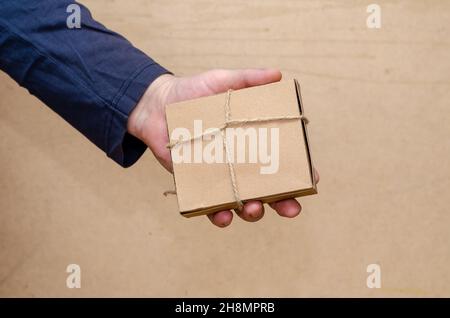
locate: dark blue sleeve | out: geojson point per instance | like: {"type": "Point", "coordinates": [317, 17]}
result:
{"type": "Point", "coordinates": [90, 76]}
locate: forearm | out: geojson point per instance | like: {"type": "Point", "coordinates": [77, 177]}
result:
{"type": "Point", "coordinates": [90, 76]}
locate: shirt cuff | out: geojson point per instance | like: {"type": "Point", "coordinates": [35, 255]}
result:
{"type": "Point", "coordinates": [122, 147]}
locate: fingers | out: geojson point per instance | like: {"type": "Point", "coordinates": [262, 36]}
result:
{"type": "Point", "coordinates": [316, 175]}
{"type": "Point", "coordinates": [221, 219]}
{"type": "Point", "coordinates": [251, 77]}
{"type": "Point", "coordinates": [218, 81]}
{"type": "Point", "coordinates": [289, 208]}
{"type": "Point", "coordinates": [253, 211]}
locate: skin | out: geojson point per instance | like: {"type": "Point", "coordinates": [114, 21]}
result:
{"type": "Point", "coordinates": [148, 123]}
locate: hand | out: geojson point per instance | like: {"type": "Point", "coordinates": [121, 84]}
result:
{"type": "Point", "coordinates": [148, 123]}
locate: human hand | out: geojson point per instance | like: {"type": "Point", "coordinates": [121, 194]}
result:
{"type": "Point", "coordinates": [148, 123]}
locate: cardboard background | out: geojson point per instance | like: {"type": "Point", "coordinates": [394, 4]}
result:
{"type": "Point", "coordinates": [378, 101]}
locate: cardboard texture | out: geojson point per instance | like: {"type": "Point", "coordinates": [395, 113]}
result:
{"type": "Point", "coordinates": [204, 187]}
{"type": "Point", "coordinates": [378, 101]}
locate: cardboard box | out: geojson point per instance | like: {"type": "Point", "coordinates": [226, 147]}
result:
{"type": "Point", "coordinates": [249, 144]}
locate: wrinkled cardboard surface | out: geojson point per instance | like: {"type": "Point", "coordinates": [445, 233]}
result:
{"type": "Point", "coordinates": [206, 187]}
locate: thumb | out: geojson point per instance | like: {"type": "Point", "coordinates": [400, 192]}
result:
{"type": "Point", "coordinates": [219, 81]}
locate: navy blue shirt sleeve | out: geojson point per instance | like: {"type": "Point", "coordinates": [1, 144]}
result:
{"type": "Point", "coordinates": [90, 76]}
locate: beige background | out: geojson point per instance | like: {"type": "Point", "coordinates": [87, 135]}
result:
{"type": "Point", "coordinates": [379, 105]}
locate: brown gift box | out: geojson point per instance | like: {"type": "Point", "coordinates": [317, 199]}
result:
{"type": "Point", "coordinates": [206, 183]}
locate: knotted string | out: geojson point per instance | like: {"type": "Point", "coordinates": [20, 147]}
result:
{"type": "Point", "coordinates": [228, 123]}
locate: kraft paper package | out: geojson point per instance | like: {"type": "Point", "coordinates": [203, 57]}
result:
{"type": "Point", "coordinates": [249, 144]}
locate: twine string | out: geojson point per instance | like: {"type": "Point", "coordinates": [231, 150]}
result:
{"type": "Point", "coordinates": [231, 171]}
{"type": "Point", "coordinates": [168, 192]}
{"type": "Point", "coordinates": [228, 123]}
